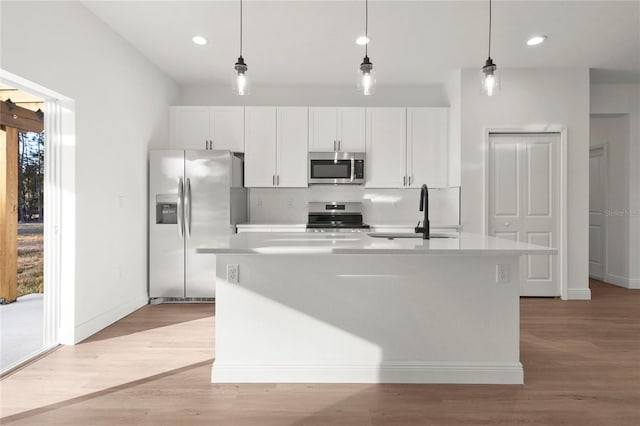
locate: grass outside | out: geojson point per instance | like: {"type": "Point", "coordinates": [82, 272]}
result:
{"type": "Point", "coordinates": [30, 258]}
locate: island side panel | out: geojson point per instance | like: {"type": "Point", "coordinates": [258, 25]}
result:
{"type": "Point", "coordinates": [367, 319]}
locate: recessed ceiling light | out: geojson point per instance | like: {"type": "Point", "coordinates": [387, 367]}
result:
{"type": "Point", "coordinates": [536, 40]}
{"type": "Point", "coordinates": [199, 40]}
{"type": "Point", "coordinates": [362, 40]}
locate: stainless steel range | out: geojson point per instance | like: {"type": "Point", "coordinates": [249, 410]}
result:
{"type": "Point", "coordinates": [336, 217]}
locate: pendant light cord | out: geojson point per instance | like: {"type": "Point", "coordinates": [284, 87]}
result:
{"type": "Point", "coordinates": [240, 28]}
{"type": "Point", "coordinates": [366, 27]}
{"type": "Point", "coordinates": [489, 29]}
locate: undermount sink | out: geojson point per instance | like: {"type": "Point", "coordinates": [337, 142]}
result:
{"type": "Point", "coordinates": [393, 235]}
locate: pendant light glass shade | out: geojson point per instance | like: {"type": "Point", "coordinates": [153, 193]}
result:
{"type": "Point", "coordinates": [490, 78]}
{"type": "Point", "coordinates": [240, 83]}
{"type": "Point", "coordinates": [366, 74]}
{"type": "Point", "coordinates": [366, 77]}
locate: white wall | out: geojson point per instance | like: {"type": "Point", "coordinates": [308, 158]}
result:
{"type": "Point", "coordinates": [532, 99]}
{"type": "Point", "coordinates": [121, 111]}
{"type": "Point", "coordinates": [615, 110]}
{"type": "Point", "coordinates": [315, 96]}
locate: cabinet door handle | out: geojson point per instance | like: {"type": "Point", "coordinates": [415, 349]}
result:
{"type": "Point", "coordinates": [404, 181]}
{"type": "Point", "coordinates": [339, 145]}
{"type": "Point", "coordinates": [278, 180]}
{"type": "Point", "coordinates": [273, 180]}
{"type": "Point", "coordinates": [409, 180]}
{"type": "Point", "coordinates": [334, 146]}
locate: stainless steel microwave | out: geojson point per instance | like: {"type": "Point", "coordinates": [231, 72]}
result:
{"type": "Point", "coordinates": [336, 167]}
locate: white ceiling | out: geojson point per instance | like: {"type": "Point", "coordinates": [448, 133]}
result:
{"type": "Point", "coordinates": [312, 43]}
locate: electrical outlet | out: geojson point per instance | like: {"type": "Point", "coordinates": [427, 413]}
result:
{"type": "Point", "coordinates": [503, 273]}
{"type": "Point", "coordinates": [233, 274]}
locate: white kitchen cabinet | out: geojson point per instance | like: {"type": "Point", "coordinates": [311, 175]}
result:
{"type": "Point", "coordinates": [275, 147]}
{"type": "Point", "coordinates": [260, 147]}
{"type": "Point", "coordinates": [203, 127]}
{"type": "Point", "coordinates": [189, 127]}
{"type": "Point", "coordinates": [386, 148]}
{"type": "Point", "coordinates": [337, 129]}
{"type": "Point", "coordinates": [406, 147]}
{"type": "Point", "coordinates": [427, 144]}
{"type": "Point", "coordinates": [292, 147]}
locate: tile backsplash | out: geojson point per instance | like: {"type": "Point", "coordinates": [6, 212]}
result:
{"type": "Point", "coordinates": [380, 206]}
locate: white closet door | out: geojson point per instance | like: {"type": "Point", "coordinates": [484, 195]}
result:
{"type": "Point", "coordinates": [260, 147]}
{"type": "Point", "coordinates": [597, 173]}
{"type": "Point", "coordinates": [523, 202]}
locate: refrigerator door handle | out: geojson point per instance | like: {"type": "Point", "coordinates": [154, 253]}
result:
{"type": "Point", "coordinates": [180, 209]}
{"type": "Point", "coordinates": [187, 208]}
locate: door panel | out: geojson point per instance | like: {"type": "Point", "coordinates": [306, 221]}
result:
{"type": "Point", "coordinates": [596, 212]}
{"type": "Point", "coordinates": [260, 147]}
{"type": "Point", "coordinates": [539, 179]}
{"type": "Point", "coordinates": [523, 200]}
{"type": "Point", "coordinates": [292, 147]}
{"type": "Point", "coordinates": [507, 180]}
{"type": "Point", "coordinates": [209, 175]}
{"type": "Point", "coordinates": [166, 247]}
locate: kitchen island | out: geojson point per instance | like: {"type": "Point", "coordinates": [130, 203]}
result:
{"type": "Point", "coordinates": [350, 308]}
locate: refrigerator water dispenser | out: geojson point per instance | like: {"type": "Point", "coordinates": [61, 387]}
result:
{"type": "Point", "coordinates": [166, 210]}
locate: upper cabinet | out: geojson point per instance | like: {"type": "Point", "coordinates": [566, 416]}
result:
{"type": "Point", "coordinates": [276, 147]}
{"type": "Point", "coordinates": [427, 144]}
{"type": "Point", "coordinates": [406, 147]}
{"type": "Point", "coordinates": [337, 129]}
{"type": "Point", "coordinates": [201, 127]}
{"type": "Point", "coordinates": [386, 148]}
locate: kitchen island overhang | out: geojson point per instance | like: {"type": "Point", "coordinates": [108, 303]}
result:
{"type": "Point", "coordinates": [352, 309]}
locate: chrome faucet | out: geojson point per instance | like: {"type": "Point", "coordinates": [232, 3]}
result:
{"type": "Point", "coordinates": [424, 207]}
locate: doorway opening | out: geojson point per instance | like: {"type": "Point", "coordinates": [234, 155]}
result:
{"type": "Point", "coordinates": [21, 225]}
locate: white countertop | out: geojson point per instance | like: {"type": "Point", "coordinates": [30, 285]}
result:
{"type": "Point", "coordinates": [361, 243]}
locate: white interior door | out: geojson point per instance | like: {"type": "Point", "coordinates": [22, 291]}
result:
{"type": "Point", "coordinates": [597, 205]}
{"type": "Point", "coordinates": [523, 202]}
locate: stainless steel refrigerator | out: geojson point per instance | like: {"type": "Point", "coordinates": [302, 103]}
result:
{"type": "Point", "coordinates": [195, 200]}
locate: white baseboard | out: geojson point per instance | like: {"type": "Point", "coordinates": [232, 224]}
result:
{"type": "Point", "coordinates": [101, 321]}
{"type": "Point", "coordinates": [432, 372]}
{"type": "Point", "coordinates": [579, 294]}
{"type": "Point", "coordinates": [630, 283]}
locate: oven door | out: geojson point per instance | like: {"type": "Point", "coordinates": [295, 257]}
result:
{"type": "Point", "coordinates": [335, 168]}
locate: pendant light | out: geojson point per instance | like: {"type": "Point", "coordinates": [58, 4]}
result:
{"type": "Point", "coordinates": [366, 74]}
{"type": "Point", "coordinates": [490, 76]}
{"type": "Point", "coordinates": [240, 82]}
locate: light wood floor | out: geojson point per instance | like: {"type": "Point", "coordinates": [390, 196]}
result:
{"type": "Point", "coordinates": [581, 358]}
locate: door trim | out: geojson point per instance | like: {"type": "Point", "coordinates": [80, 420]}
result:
{"type": "Point", "coordinates": [563, 272]}
{"type": "Point", "coordinates": [605, 158]}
